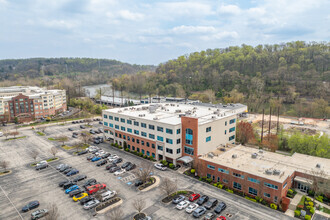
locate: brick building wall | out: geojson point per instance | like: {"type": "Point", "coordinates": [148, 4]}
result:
{"type": "Point", "coordinates": [191, 123]}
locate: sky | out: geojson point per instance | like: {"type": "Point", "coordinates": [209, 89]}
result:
{"type": "Point", "coordinates": [151, 31]}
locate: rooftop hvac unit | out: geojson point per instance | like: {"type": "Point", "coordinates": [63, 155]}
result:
{"type": "Point", "coordinates": [120, 111]}
{"type": "Point", "coordinates": [276, 172]}
{"type": "Point", "coordinates": [261, 151]}
{"type": "Point", "coordinates": [167, 110]}
{"type": "Point", "coordinates": [222, 149]}
{"type": "Point", "coordinates": [269, 172]}
{"type": "Point", "coordinates": [214, 117]}
{"type": "Point", "coordinates": [254, 155]}
{"type": "Point", "coordinates": [144, 108]}
{"type": "Point", "coordinates": [180, 115]}
{"type": "Point", "coordinates": [209, 108]}
{"type": "Point", "coordinates": [138, 109]}
{"type": "Point", "coordinates": [125, 109]}
{"type": "Point", "coordinates": [318, 165]}
{"type": "Point", "coordinates": [210, 155]}
{"type": "Point", "coordinates": [225, 106]}
{"type": "Point", "coordinates": [177, 110]}
{"type": "Point", "coordinates": [177, 105]}
{"type": "Point", "coordinates": [194, 107]}
{"type": "Point", "coordinates": [162, 108]}
{"type": "Point", "coordinates": [234, 156]}
{"type": "Point", "coordinates": [155, 118]}
{"type": "Point", "coordinates": [166, 104]}
{"type": "Point", "coordinates": [142, 115]}
{"type": "Point", "coordinates": [215, 112]}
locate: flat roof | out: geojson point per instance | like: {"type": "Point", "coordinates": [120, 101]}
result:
{"type": "Point", "coordinates": [267, 161]}
{"type": "Point", "coordinates": [170, 113]}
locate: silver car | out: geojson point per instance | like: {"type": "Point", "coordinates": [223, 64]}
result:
{"type": "Point", "coordinates": [91, 204]}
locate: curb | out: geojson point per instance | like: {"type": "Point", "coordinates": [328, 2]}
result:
{"type": "Point", "coordinates": [109, 207]}
{"type": "Point", "coordinates": [6, 173]}
{"type": "Point", "coordinates": [153, 185]}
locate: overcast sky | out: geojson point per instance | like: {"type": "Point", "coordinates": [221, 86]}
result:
{"type": "Point", "coordinates": [151, 31]}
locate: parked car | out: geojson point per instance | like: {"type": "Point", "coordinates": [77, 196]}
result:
{"type": "Point", "coordinates": [30, 205]}
{"type": "Point", "coordinates": [130, 167]}
{"type": "Point", "coordinates": [209, 216]}
{"type": "Point", "coordinates": [95, 159]}
{"type": "Point", "coordinates": [221, 218]}
{"type": "Point", "coordinates": [199, 211]}
{"type": "Point", "coordinates": [110, 166]}
{"type": "Point", "coordinates": [94, 188]}
{"type": "Point", "coordinates": [100, 122]}
{"type": "Point", "coordinates": [96, 141]}
{"type": "Point", "coordinates": [91, 204]}
{"type": "Point", "coordinates": [83, 134]}
{"type": "Point", "coordinates": [73, 122]}
{"type": "Point", "coordinates": [86, 199]}
{"type": "Point", "coordinates": [114, 169]}
{"type": "Point", "coordinates": [42, 162]}
{"type": "Point", "coordinates": [105, 155]}
{"type": "Point", "coordinates": [108, 195]}
{"type": "Point", "coordinates": [58, 167]}
{"type": "Point", "coordinates": [194, 197]}
{"type": "Point", "coordinates": [68, 170]}
{"type": "Point", "coordinates": [211, 203]}
{"type": "Point", "coordinates": [79, 196]}
{"type": "Point", "coordinates": [65, 167]}
{"type": "Point", "coordinates": [90, 157]}
{"type": "Point", "coordinates": [61, 184]}
{"type": "Point", "coordinates": [101, 163]}
{"type": "Point", "coordinates": [118, 160]}
{"type": "Point", "coordinates": [70, 129]}
{"type": "Point", "coordinates": [98, 153]}
{"type": "Point", "coordinates": [79, 178]}
{"type": "Point", "coordinates": [125, 165]}
{"type": "Point", "coordinates": [160, 166]}
{"type": "Point", "coordinates": [89, 182]}
{"type": "Point", "coordinates": [182, 205]}
{"type": "Point", "coordinates": [75, 192]}
{"type": "Point", "coordinates": [82, 127]}
{"type": "Point", "coordinates": [39, 214]}
{"type": "Point", "coordinates": [220, 207]}
{"type": "Point", "coordinates": [71, 188]}
{"type": "Point", "coordinates": [100, 130]}
{"type": "Point", "coordinates": [72, 172]}
{"type": "Point", "coordinates": [119, 172]}
{"type": "Point", "coordinates": [178, 199]}
{"type": "Point", "coordinates": [138, 182]}
{"type": "Point", "coordinates": [96, 131]}
{"type": "Point", "coordinates": [41, 166]}
{"type": "Point", "coordinates": [82, 152]}
{"type": "Point", "coordinates": [112, 157]}
{"type": "Point", "coordinates": [191, 207]}
{"type": "Point", "coordinates": [68, 185]}
{"type": "Point", "coordinates": [74, 136]}
{"type": "Point", "coordinates": [92, 131]}
{"type": "Point", "coordinates": [202, 199]}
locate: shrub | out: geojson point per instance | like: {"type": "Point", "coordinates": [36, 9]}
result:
{"type": "Point", "coordinates": [308, 217]}
{"type": "Point", "coordinates": [273, 206]}
{"type": "Point", "coordinates": [308, 207]}
{"type": "Point", "coordinates": [229, 190]}
{"type": "Point", "coordinates": [259, 199]}
{"type": "Point", "coordinates": [296, 213]}
{"type": "Point", "coordinates": [151, 158]}
{"type": "Point", "coordinates": [319, 198]}
{"type": "Point", "coordinates": [308, 199]}
{"type": "Point", "coordinates": [192, 171]}
{"type": "Point", "coordinates": [141, 154]}
{"type": "Point", "coordinates": [310, 193]}
{"type": "Point", "coordinates": [204, 178]}
{"type": "Point", "coordinates": [251, 199]}
{"type": "Point", "coordinates": [120, 147]}
{"type": "Point", "coordinates": [290, 191]}
{"type": "Point", "coordinates": [215, 184]}
{"type": "Point", "coordinates": [311, 203]}
{"type": "Point", "coordinates": [220, 186]}
{"type": "Point", "coordinates": [172, 166]}
{"type": "Point", "coordinates": [200, 179]}
{"type": "Point", "coordinates": [209, 180]}
{"type": "Point", "coordinates": [312, 210]}
{"type": "Point", "coordinates": [145, 156]}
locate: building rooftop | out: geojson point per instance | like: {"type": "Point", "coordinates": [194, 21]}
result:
{"type": "Point", "coordinates": [170, 113]}
{"type": "Point", "coordinates": [265, 164]}
{"type": "Point", "coordinates": [32, 91]}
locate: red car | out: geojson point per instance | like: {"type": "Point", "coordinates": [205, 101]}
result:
{"type": "Point", "coordinates": [221, 218]}
{"type": "Point", "coordinates": [94, 188]}
{"type": "Point", "coordinates": [194, 197]}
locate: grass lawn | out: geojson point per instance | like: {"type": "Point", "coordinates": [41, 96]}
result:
{"type": "Point", "coordinates": [326, 210]}
{"type": "Point", "coordinates": [40, 133]}
{"type": "Point", "coordinates": [66, 147]}
{"type": "Point", "coordinates": [4, 172]}
{"type": "Point", "coordinates": [52, 139]}
{"type": "Point", "coordinates": [9, 139]}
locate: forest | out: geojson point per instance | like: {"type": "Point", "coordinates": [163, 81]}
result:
{"type": "Point", "coordinates": [294, 76]}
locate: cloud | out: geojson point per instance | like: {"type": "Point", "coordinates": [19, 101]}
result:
{"type": "Point", "coordinates": [127, 15]}
{"type": "Point", "coordinates": [221, 35]}
{"type": "Point", "coordinates": [193, 29]}
{"type": "Point", "coordinates": [191, 9]}
{"type": "Point", "coordinates": [59, 24]}
{"type": "Point", "coordinates": [229, 9]}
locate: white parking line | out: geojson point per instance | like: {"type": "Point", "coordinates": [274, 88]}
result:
{"type": "Point", "coordinates": [11, 203]}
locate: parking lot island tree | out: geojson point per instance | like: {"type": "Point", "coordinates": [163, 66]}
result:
{"type": "Point", "coordinates": [53, 151]}
{"type": "Point", "coordinates": [6, 132]}
{"type": "Point", "coordinates": [14, 133]}
{"type": "Point", "coordinates": [139, 204]}
{"type": "Point", "coordinates": [168, 186]}
{"type": "Point", "coordinates": [4, 165]}
{"type": "Point", "coordinates": [245, 133]}
{"type": "Point", "coordinates": [34, 154]}
{"type": "Point", "coordinates": [86, 137]}
{"type": "Point", "coordinates": [62, 138]}
{"type": "Point", "coordinates": [53, 213]}
{"type": "Point", "coordinates": [144, 173]}
{"type": "Point", "coordinates": [116, 214]}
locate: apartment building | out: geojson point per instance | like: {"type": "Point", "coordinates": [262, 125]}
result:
{"type": "Point", "coordinates": [170, 131]}
{"type": "Point", "coordinates": [261, 173]}
{"type": "Point", "coordinates": [29, 103]}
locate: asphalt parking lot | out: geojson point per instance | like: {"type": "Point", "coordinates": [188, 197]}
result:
{"type": "Point", "coordinates": [26, 184]}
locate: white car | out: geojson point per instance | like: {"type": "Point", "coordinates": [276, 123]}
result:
{"type": "Point", "coordinates": [1, 134]}
{"type": "Point", "coordinates": [91, 148]}
{"type": "Point", "coordinates": [182, 204]}
{"type": "Point", "coordinates": [42, 162]}
{"type": "Point", "coordinates": [160, 166]}
{"type": "Point", "coordinates": [121, 171]}
{"type": "Point", "coordinates": [108, 195]}
{"type": "Point", "coordinates": [112, 158]}
{"type": "Point", "coordinates": [91, 204]}
{"type": "Point", "coordinates": [99, 152]}
{"type": "Point", "coordinates": [191, 207]}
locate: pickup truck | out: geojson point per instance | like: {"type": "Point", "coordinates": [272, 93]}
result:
{"type": "Point", "coordinates": [94, 188]}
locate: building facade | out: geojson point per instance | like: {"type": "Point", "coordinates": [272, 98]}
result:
{"type": "Point", "coordinates": [169, 131]}
{"type": "Point", "coordinates": [29, 103]}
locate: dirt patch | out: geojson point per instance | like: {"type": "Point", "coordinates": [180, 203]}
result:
{"type": "Point", "coordinates": [308, 131]}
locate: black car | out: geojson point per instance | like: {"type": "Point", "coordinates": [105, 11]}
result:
{"type": "Point", "coordinates": [75, 136]}
{"type": "Point", "coordinates": [68, 185]}
{"type": "Point", "coordinates": [70, 129]}
{"type": "Point", "coordinates": [75, 192]}
{"type": "Point", "coordinates": [106, 155]}
{"type": "Point", "coordinates": [90, 157]}
{"type": "Point", "coordinates": [178, 199]}
{"type": "Point", "coordinates": [96, 141]}
{"type": "Point", "coordinates": [31, 205]}
{"type": "Point", "coordinates": [211, 203]}
{"type": "Point", "coordinates": [73, 122]}
{"type": "Point", "coordinates": [96, 131]}
{"type": "Point", "coordinates": [89, 182]}
{"type": "Point", "coordinates": [101, 163]}
{"type": "Point", "coordinates": [138, 182]}
{"type": "Point", "coordinates": [118, 160]}
{"type": "Point", "coordinates": [86, 199]}
{"type": "Point", "coordinates": [79, 178]}
{"type": "Point", "coordinates": [60, 184]}
{"type": "Point", "coordinates": [125, 165]}
{"type": "Point", "coordinates": [202, 200]}
{"type": "Point", "coordinates": [81, 121]}
{"type": "Point", "coordinates": [67, 170]}
{"type": "Point", "coordinates": [100, 122]}
{"type": "Point", "coordinates": [110, 166]}
{"type": "Point", "coordinates": [114, 169]}
{"type": "Point", "coordinates": [130, 167]}
{"type": "Point", "coordinates": [82, 127]}
{"type": "Point", "coordinates": [82, 152]}
{"type": "Point", "coordinates": [220, 207]}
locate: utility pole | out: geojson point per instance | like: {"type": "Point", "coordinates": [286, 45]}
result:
{"type": "Point", "coordinates": [278, 119]}
{"type": "Point", "coordinates": [262, 124]}
{"type": "Point", "coordinates": [270, 121]}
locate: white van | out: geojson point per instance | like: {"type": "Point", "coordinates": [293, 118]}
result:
{"type": "Point", "coordinates": [1, 134]}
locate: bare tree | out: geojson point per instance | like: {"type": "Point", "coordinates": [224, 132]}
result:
{"type": "Point", "coordinates": [62, 138]}
{"type": "Point", "coordinates": [85, 138]}
{"type": "Point", "coordinates": [78, 145]}
{"type": "Point", "coordinates": [14, 133]}
{"type": "Point", "coordinates": [53, 151]}
{"type": "Point", "coordinates": [4, 165]}
{"type": "Point", "coordinates": [116, 214]}
{"type": "Point", "coordinates": [139, 204]}
{"type": "Point", "coordinates": [16, 128]}
{"type": "Point", "coordinates": [6, 132]}
{"type": "Point", "coordinates": [53, 213]}
{"type": "Point", "coordinates": [42, 129]}
{"type": "Point", "coordinates": [144, 173]}
{"type": "Point", "coordinates": [168, 186]}
{"type": "Point", "coordinates": [34, 154]}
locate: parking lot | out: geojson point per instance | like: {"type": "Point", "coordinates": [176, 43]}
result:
{"type": "Point", "coordinates": [26, 184]}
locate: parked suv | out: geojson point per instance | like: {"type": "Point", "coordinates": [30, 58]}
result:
{"type": "Point", "coordinates": [108, 195]}
{"type": "Point", "coordinates": [199, 211]}
{"type": "Point", "coordinates": [220, 207]}
{"type": "Point", "coordinates": [211, 203]}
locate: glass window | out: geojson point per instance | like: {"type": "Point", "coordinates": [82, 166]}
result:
{"type": "Point", "coordinates": [178, 141]}
{"type": "Point", "coordinates": [152, 127]}
{"type": "Point", "coordinates": [142, 151]}
{"type": "Point", "coordinates": [208, 139]}
{"type": "Point", "coordinates": [208, 129]}
{"type": "Point", "coordinates": [138, 149]}
{"type": "Point", "coordinates": [136, 132]}
{"type": "Point", "coordinates": [152, 136]}
{"type": "Point", "coordinates": [225, 181]}
{"type": "Point", "coordinates": [144, 134]}
{"type": "Point", "coordinates": [168, 150]}
{"type": "Point", "coordinates": [153, 155]}
{"type": "Point", "coordinates": [124, 137]}
{"type": "Point", "coordinates": [122, 128]}
{"type": "Point", "coordinates": [105, 123]}
{"type": "Point", "coordinates": [225, 123]}
{"type": "Point", "coordinates": [116, 119]}
{"type": "Point", "coordinates": [223, 171]}
{"type": "Point", "coordinates": [237, 186]}
{"type": "Point", "coordinates": [136, 123]}
{"type": "Point", "coordinates": [148, 153]}
{"type": "Point", "coordinates": [169, 131]}
{"type": "Point", "coordinates": [232, 121]}
{"type": "Point", "coordinates": [267, 195]}
{"type": "Point", "coordinates": [169, 141]}
{"type": "Point", "coordinates": [178, 150]}
{"type": "Point", "coordinates": [143, 125]}
{"type": "Point", "coordinates": [178, 131]}
{"type": "Point", "coordinates": [161, 129]}
{"type": "Point", "coordinates": [189, 136]}
{"type": "Point", "coordinates": [285, 184]}
{"type": "Point", "coordinates": [148, 144]}
{"type": "Point", "coordinates": [129, 121]}
{"type": "Point", "coordinates": [117, 126]}
{"type": "Point", "coordinates": [231, 137]}
{"type": "Point", "coordinates": [159, 147]}
{"type": "Point", "coordinates": [133, 148]}
{"type": "Point", "coordinates": [137, 141]}
{"type": "Point", "coordinates": [159, 138]}
{"type": "Point", "coordinates": [253, 191]}
{"type": "Point", "coordinates": [110, 117]}
{"type": "Point", "coordinates": [238, 175]}
{"type": "Point", "coordinates": [231, 129]}
{"type": "Point", "coordinates": [105, 116]}
{"type": "Point", "coordinates": [208, 175]}
{"type": "Point", "coordinates": [153, 146]}
{"type": "Point", "coordinates": [122, 120]}
{"type": "Point", "coordinates": [225, 131]}
{"type": "Point", "coordinates": [128, 138]}
{"type": "Point", "coordinates": [189, 150]}
{"type": "Point", "coordinates": [129, 130]}
{"type": "Point", "coordinates": [211, 167]}
{"type": "Point", "coordinates": [133, 139]}
{"type": "Point", "coordinates": [142, 142]}
{"type": "Point", "coordinates": [271, 185]}
{"type": "Point", "coordinates": [253, 180]}
{"type": "Point", "coordinates": [119, 135]}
